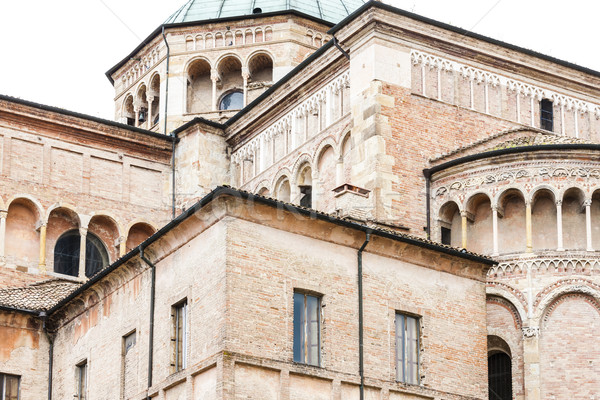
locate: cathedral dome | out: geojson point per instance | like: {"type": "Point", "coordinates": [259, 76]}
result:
{"type": "Point", "coordinates": [200, 10]}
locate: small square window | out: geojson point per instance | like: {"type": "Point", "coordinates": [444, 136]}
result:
{"type": "Point", "coordinates": [307, 329]}
{"type": "Point", "coordinates": [407, 349]}
{"type": "Point", "coordinates": [9, 387]}
{"type": "Point", "coordinates": [179, 337]}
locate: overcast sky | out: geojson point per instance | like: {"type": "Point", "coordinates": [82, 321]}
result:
{"type": "Point", "coordinates": [56, 52]}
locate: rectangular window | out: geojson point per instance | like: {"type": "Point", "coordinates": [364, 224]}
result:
{"type": "Point", "coordinates": [546, 115]}
{"type": "Point", "coordinates": [306, 196]}
{"type": "Point", "coordinates": [407, 349]}
{"type": "Point", "coordinates": [9, 387]}
{"type": "Point", "coordinates": [307, 329]}
{"type": "Point", "coordinates": [82, 381]}
{"type": "Point", "coordinates": [179, 337]}
{"type": "Point", "coordinates": [446, 236]}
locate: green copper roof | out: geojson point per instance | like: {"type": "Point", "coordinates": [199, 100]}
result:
{"type": "Point", "coordinates": [199, 10]}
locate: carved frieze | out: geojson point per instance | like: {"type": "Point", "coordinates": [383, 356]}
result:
{"type": "Point", "coordinates": [514, 175]}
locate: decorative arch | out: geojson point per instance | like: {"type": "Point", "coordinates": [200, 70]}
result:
{"type": "Point", "coordinates": [35, 202]}
{"type": "Point", "coordinates": [501, 196]}
{"type": "Point", "coordinates": [518, 315]}
{"type": "Point", "coordinates": [226, 56]}
{"type": "Point", "coordinates": [323, 145]}
{"type": "Point", "coordinates": [67, 206]}
{"type": "Point", "coordinates": [563, 287]}
{"type": "Point", "coordinates": [543, 187]}
{"type": "Point", "coordinates": [138, 232]}
{"type": "Point", "coordinates": [303, 159]}
{"type": "Point", "coordinates": [283, 172]}
{"type": "Point", "coordinates": [449, 223]}
{"type": "Point", "coordinates": [261, 186]}
{"type": "Point", "coordinates": [514, 297]}
{"type": "Point", "coordinates": [474, 199]}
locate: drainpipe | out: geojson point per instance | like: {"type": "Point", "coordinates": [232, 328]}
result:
{"type": "Point", "coordinates": [337, 44]}
{"type": "Point", "coordinates": [173, 174]}
{"type": "Point", "coordinates": [151, 328]}
{"type": "Point", "coordinates": [50, 338]}
{"type": "Point", "coordinates": [427, 174]}
{"type": "Point", "coordinates": [361, 363]}
{"type": "Point", "coordinates": [165, 122]}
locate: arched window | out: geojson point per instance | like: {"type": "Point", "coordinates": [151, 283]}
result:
{"type": "Point", "coordinates": [499, 376]}
{"type": "Point", "coordinates": [232, 101]}
{"type": "Point", "coordinates": [66, 254]}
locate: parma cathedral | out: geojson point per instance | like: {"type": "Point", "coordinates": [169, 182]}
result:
{"type": "Point", "coordinates": [306, 200]}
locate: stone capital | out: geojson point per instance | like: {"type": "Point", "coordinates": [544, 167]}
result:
{"type": "Point", "coordinates": [529, 332]}
{"type": "Point", "coordinates": [3, 214]}
{"type": "Point", "coordinates": [83, 231]}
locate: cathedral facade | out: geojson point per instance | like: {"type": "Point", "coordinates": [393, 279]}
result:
{"type": "Point", "coordinates": [334, 200]}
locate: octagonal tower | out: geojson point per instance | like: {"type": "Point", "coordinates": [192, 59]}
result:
{"type": "Point", "coordinates": [218, 56]}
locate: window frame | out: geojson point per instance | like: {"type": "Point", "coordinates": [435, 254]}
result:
{"type": "Point", "coordinates": [179, 339]}
{"type": "Point", "coordinates": [81, 376]}
{"type": "Point", "coordinates": [3, 379]}
{"type": "Point", "coordinates": [547, 115]}
{"type": "Point", "coordinates": [401, 348]}
{"type": "Point", "coordinates": [306, 341]}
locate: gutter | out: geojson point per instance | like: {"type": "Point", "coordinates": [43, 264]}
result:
{"type": "Point", "coordinates": [21, 310]}
{"type": "Point", "coordinates": [361, 358]}
{"type": "Point", "coordinates": [428, 202]}
{"type": "Point", "coordinates": [151, 326]}
{"type": "Point", "coordinates": [173, 135]}
{"type": "Point", "coordinates": [50, 338]}
{"type": "Point", "coordinates": [510, 150]}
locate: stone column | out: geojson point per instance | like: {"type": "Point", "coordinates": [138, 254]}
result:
{"type": "Point", "coordinates": [531, 361]}
{"type": "Point", "coordinates": [122, 246]}
{"type": "Point", "coordinates": [246, 78]}
{"type": "Point", "coordinates": [214, 77]}
{"type": "Point", "coordinates": [495, 229]}
{"type": "Point", "coordinates": [339, 172]}
{"type": "Point", "coordinates": [294, 192]}
{"type": "Point", "coordinates": [136, 111]}
{"type": "Point", "coordinates": [149, 117]}
{"type": "Point", "coordinates": [528, 226]}
{"type": "Point", "coordinates": [463, 215]}
{"type": "Point", "coordinates": [315, 189]}
{"type": "Point", "coordinates": [588, 224]}
{"type": "Point", "coordinates": [3, 215]}
{"type": "Point", "coordinates": [559, 233]}
{"type": "Point", "coordinates": [294, 128]}
{"type": "Point", "coordinates": [82, 243]}
{"type": "Point", "coordinates": [42, 263]}
{"type": "Point", "coordinates": [328, 107]}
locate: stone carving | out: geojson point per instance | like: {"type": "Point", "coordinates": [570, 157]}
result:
{"type": "Point", "coordinates": [514, 175]}
{"type": "Point", "coordinates": [546, 265]}
{"type": "Point", "coordinates": [529, 332]}
{"type": "Point", "coordinates": [287, 122]}
{"type": "Point", "coordinates": [478, 75]}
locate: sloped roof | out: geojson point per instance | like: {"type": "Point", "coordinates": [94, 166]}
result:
{"type": "Point", "coordinates": [539, 139]}
{"type": "Point", "coordinates": [200, 10]}
{"type": "Point", "coordinates": [40, 296]}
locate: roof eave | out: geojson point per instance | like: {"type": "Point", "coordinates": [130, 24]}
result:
{"type": "Point", "coordinates": [158, 30]}
{"type": "Point", "coordinates": [452, 28]}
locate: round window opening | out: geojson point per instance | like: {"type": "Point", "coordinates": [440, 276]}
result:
{"type": "Point", "coordinates": [66, 254]}
{"type": "Point", "coordinates": [232, 101]}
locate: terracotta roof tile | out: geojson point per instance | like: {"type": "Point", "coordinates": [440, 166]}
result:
{"type": "Point", "coordinates": [40, 296]}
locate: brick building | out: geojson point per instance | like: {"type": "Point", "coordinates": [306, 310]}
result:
{"type": "Point", "coordinates": [381, 157]}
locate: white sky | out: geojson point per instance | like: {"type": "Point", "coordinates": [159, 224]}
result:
{"type": "Point", "coordinates": [56, 52]}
